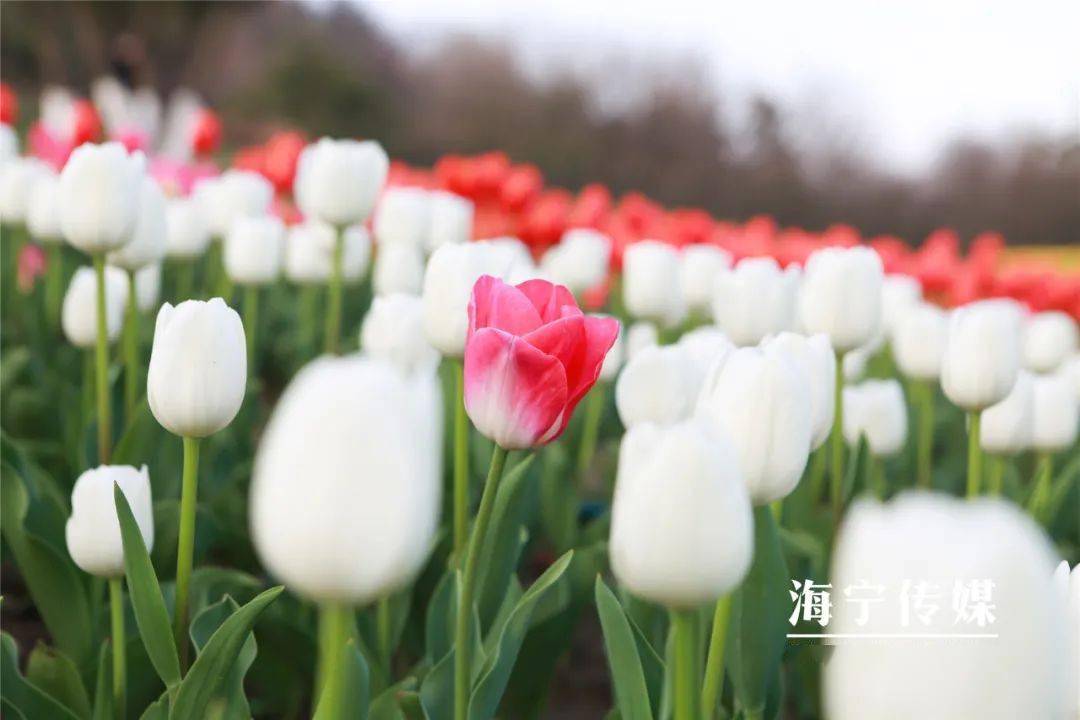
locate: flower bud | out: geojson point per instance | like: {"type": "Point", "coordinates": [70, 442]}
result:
{"type": "Point", "coordinates": [681, 527]}
{"type": "Point", "coordinates": [451, 272]}
{"type": "Point", "coordinates": [700, 266]}
{"type": "Point", "coordinates": [656, 386]}
{"type": "Point", "coordinates": [841, 296]}
{"type": "Point", "coordinates": [309, 252]}
{"type": "Point", "coordinates": [1049, 338]}
{"type": "Point", "coordinates": [393, 330]}
{"type": "Point", "coordinates": [944, 566]}
{"type": "Point", "coordinates": [403, 216]}
{"type": "Point", "coordinates": [186, 232]}
{"type": "Point", "coordinates": [233, 195]}
{"type": "Point", "coordinates": [93, 530]}
{"type": "Point", "coordinates": [451, 220]}
{"type": "Point", "coordinates": [651, 288]}
{"type": "Point", "coordinates": [898, 294]}
{"type": "Point", "coordinates": [348, 515]}
{"type": "Point", "coordinates": [919, 334]}
{"type": "Point", "coordinates": [1056, 413]}
{"type": "Point", "coordinates": [508, 259]}
{"type": "Point", "coordinates": [198, 367]}
{"type": "Point", "coordinates": [759, 398]}
{"type": "Point", "coordinates": [815, 357]}
{"type": "Point", "coordinates": [399, 268]}
{"type": "Point", "coordinates": [579, 261]}
{"type": "Point", "coordinates": [254, 249]}
{"type": "Point", "coordinates": [78, 315]}
{"type": "Point", "coordinates": [338, 181]}
{"type": "Point", "coordinates": [148, 287]}
{"type": "Point", "coordinates": [875, 409]}
{"type": "Point", "coordinates": [18, 177]}
{"type": "Point", "coordinates": [147, 243]}
{"type": "Point", "coordinates": [982, 353]}
{"type": "Point", "coordinates": [43, 209]}
{"type": "Point", "coordinates": [1006, 427]}
{"type": "Point", "coordinates": [99, 196]}
{"type": "Point", "coordinates": [641, 335]}
{"type": "Point", "coordinates": [755, 299]}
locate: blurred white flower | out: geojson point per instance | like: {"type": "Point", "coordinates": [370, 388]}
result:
{"type": "Point", "coordinates": [233, 195]}
{"type": "Point", "coordinates": [186, 232]}
{"type": "Point", "coordinates": [1006, 427]}
{"type": "Point", "coordinates": [755, 299]}
{"type": "Point", "coordinates": [403, 215]}
{"type": "Point", "coordinates": [254, 248]}
{"type": "Point", "coordinates": [148, 287]}
{"type": "Point", "coordinates": [613, 361]}
{"type": "Point", "coordinates": [147, 243]}
{"type": "Point", "coordinates": [9, 144]}
{"type": "Point", "coordinates": [18, 177]}
{"type": "Point", "coordinates": [841, 296]}
{"type": "Point", "coordinates": [99, 196]}
{"type": "Point", "coordinates": [78, 316]}
{"type": "Point", "coordinates": [700, 265]}
{"type": "Point", "coordinates": [338, 181]}
{"type": "Point", "coordinates": [815, 357]}
{"type": "Point", "coordinates": [393, 330]}
{"type": "Point", "coordinates": [579, 261]}
{"type": "Point", "coordinates": [93, 530]}
{"type": "Point", "coordinates": [640, 335]}
{"type": "Point", "coordinates": [652, 287]}
{"type": "Point", "coordinates": [899, 293]}
{"type": "Point", "coordinates": [43, 209]}
{"type": "Point", "coordinates": [1067, 586]}
{"type": "Point", "coordinates": [658, 385]}
{"type": "Point", "coordinates": [451, 220]}
{"type": "Point", "coordinates": [309, 252]}
{"type": "Point", "coordinates": [920, 332]}
{"type": "Point", "coordinates": [1056, 413]}
{"type": "Point", "coordinates": [875, 409]}
{"type": "Point", "coordinates": [1049, 339]}
{"type": "Point", "coordinates": [399, 268]}
{"type": "Point", "coordinates": [982, 353]}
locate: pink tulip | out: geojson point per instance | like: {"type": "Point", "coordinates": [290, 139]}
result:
{"type": "Point", "coordinates": [530, 356]}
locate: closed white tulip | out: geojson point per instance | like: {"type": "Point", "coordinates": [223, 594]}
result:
{"type": "Point", "coordinates": [1067, 584]}
{"type": "Point", "coordinates": [920, 332]}
{"type": "Point", "coordinates": [198, 367]}
{"type": "Point", "coordinates": [681, 525]}
{"type": "Point", "coordinates": [78, 316]}
{"type": "Point", "coordinates": [841, 296]}
{"type": "Point", "coordinates": [99, 196]}
{"type": "Point", "coordinates": [754, 300]}
{"type": "Point", "coordinates": [399, 268]}
{"type": "Point", "coordinates": [1056, 413]}
{"type": "Point", "coordinates": [1007, 426]}
{"type": "Point", "coordinates": [982, 353]}
{"type": "Point", "coordinates": [43, 209]}
{"type": "Point", "coordinates": [451, 220]}
{"type": "Point", "coordinates": [898, 294]}
{"type": "Point", "coordinates": [233, 195]}
{"type": "Point", "coordinates": [509, 259]}
{"type": "Point", "coordinates": [147, 243]}
{"type": "Point", "coordinates": [1049, 339]}
{"type": "Point", "coordinates": [701, 265]}
{"type": "Point", "coordinates": [148, 287]}
{"type": "Point", "coordinates": [9, 144]}
{"type": "Point", "coordinates": [393, 330]}
{"type": "Point", "coordinates": [579, 261]}
{"type": "Point", "coordinates": [355, 253]}
{"type": "Point", "coordinates": [187, 234]}
{"type": "Point", "coordinates": [815, 357]}
{"type": "Point", "coordinates": [854, 364]}
{"type": "Point", "coordinates": [18, 177]}
{"type": "Point", "coordinates": [338, 181]}
{"type": "Point", "coordinates": [651, 283]}
{"type": "Point", "coordinates": [875, 409]}
{"type": "Point", "coordinates": [614, 359]}
{"type": "Point", "coordinates": [658, 385]}
{"type": "Point", "coordinates": [451, 272]}
{"type": "Point", "coordinates": [348, 514]}
{"type": "Point", "coordinates": [253, 250]}
{"type": "Point", "coordinates": [640, 335]}
{"type": "Point", "coordinates": [760, 399]}
{"type": "Point", "coordinates": [309, 252]}
{"type": "Point", "coordinates": [93, 530]}
{"type": "Point", "coordinates": [933, 556]}
{"type": "Point", "coordinates": [403, 215]}
{"type": "Point", "coordinates": [705, 347]}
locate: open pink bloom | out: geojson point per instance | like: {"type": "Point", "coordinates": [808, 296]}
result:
{"type": "Point", "coordinates": [530, 356]}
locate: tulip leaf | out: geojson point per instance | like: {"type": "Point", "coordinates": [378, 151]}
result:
{"type": "Point", "coordinates": [858, 469]}
{"type": "Point", "coordinates": [55, 674]}
{"type": "Point", "coordinates": [103, 699]}
{"type": "Point", "coordinates": [385, 705]}
{"type": "Point", "coordinates": [232, 691]}
{"type": "Point", "coordinates": [139, 430]}
{"type": "Point", "coordinates": [502, 548]}
{"type": "Point", "coordinates": [437, 688]}
{"type": "Point", "coordinates": [439, 619]}
{"type": "Point", "coordinates": [146, 599]}
{"type": "Point", "coordinates": [157, 710]}
{"type": "Point", "coordinates": [21, 695]}
{"type": "Point", "coordinates": [355, 699]}
{"type": "Point", "coordinates": [211, 666]}
{"type": "Point", "coordinates": [558, 498]}
{"type": "Point", "coordinates": [496, 672]}
{"type": "Point", "coordinates": [631, 693]}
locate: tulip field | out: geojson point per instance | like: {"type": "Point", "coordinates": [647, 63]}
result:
{"type": "Point", "coordinates": [299, 430]}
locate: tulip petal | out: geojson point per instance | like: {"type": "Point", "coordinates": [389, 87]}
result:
{"type": "Point", "coordinates": [495, 304]}
{"type": "Point", "coordinates": [550, 300]}
{"type": "Point", "coordinates": [564, 340]}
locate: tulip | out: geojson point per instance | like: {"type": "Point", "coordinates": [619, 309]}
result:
{"type": "Point", "coordinates": [509, 259]}
{"type": "Point", "coordinates": [754, 299]}
{"type": "Point", "coordinates": [94, 543]}
{"type": "Point", "coordinates": [759, 397]}
{"type": "Point", "coordinates": [195, 386]}
{"type": "Point", "coordinates": [399, 268]}
{"type": "Point", "coordinates": [657, 386]}
{"type": "Point", "coordinates": [254, 250]}
{"type": "Point", "coordinates": [451, 220]}
{"type": "Point", "coordinates": [18, 177]}
{"type": "Point", "coordinates": [187, 236]}
{"type": "Point", "coordinates": [814, 356]}
{"type": "Point", "coordinates": [929, 554]}
{"type": "Point", "coordinates": [338, 181]}
{"type": "Point", "coordinates": [348, 516]}
{"type": "Point", "coordinates": [682, 535]}
{"type": "Point", "coordinates": [1056, 422]}
{"type": "Point", "coordinates": [79, 313]}
{"type": "Point", "coordinates": [594, 405]}
{"type": "Point", "coordinates": [9, 143]}
{"type": "Point", "coordinates": [43, 222]}
{"type": "Point", "coordinates": [233, 195]}
{"type": "Point", "coordinates": [841, 296]}
{"type": "Point", "coordinates": [613, 361]}
{"type": "Point", "coordinates": [1067, 585]}
{"type": "Point", "coordinates": [641, 335]}
{"type": "Point", "coordinates": [580, 260]}
{"type": "Point", "coordinates": [1049, 339]}
{"type": "Point", "coordinates": [148, 287]}
{"type": "Point", "coordinates": [1006, 428]}
{"type": "Point", "coordinates": [403, 216]}
{"type": "Point", "coordinates": [875, 409]}
{"type": "Point", "coordinates": [700, 266]}
{"type": "Point", "coordinates": [899, 293]}
{"type": "Point", "coordinates": [706, 347]}
{"type": "Point", "coordinates": [393, 330]}
{"type": "Point", "coordinates": [973, 376]}
{"type": "Point", "coordinates": [651, 287]}
{"type": "Point", "coordinates": [100, 196]}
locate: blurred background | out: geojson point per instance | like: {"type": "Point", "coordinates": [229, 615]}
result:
{"type": "Point", "coordinates": [894, 117]}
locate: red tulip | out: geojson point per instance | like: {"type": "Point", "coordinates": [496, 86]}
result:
{"type": "Point", "coordinates": [206, 133]}
{"type": "Point", "coordinates": [592, 205]}
{"type": "Point", "coordinates": [523, 184]}
{"type": "Point", "coordinates": [9, 105]}
{"type": "Point", "coordinates": [86, 125]}
{"type": "Point", "coordinates": [530, 356]}
{"type": "Point", "coordinates": [280, 155]}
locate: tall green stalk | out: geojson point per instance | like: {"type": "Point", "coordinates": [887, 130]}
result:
{"type": "Point", "coordinates": [119, 647]}
{"type": "Point", "coordinates": [334, 633]}
{"type": "Point", "coordinates": [251, 324]}
{"type": "Point", "coordinates": [384, 633]}
{"type": "Point", "coordinates": [924, 449]}
{"type": "Point", "coordinates": [131, 350]}
{"type": "Point", "coordinates": [333, 302]}
{"type": "Point", "coordinates": [1040, 496]}
{"type": "Point", "coordinates": [102, 366]}
{"type": "Point", "coordinates": [185, 279]}
{"type": "Point", "coordinates": [185, 551]}
{"type": "Point", "coordinates": [714, 664]}
{"type": "Point", "coordinates": [54, 283]}
{"type": "Point", "coordinates": [462, 636]}
{"type": "Point", "coordinates": [687, 693]}
{"type": "Point", "coordinates": [461, 465]}
{"type": "Point", "coordinates": [836, 467]}
{"type": "Point", "coordinates": [309, 312]}
{"type": "Point", "coordinates": [974, 473]}
{"type": "Point", "coordinates": [995, 466]}
{"type": "Point", "coordinates": [594, 410]}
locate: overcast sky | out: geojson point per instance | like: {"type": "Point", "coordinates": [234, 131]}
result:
{"type": "Point", "coordinates": [906, 74]}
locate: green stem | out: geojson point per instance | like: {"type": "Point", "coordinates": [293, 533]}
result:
{"type": "Point", "coordinates": [131, 350]}
{"type": "Point", "coordinates": [309, 311]}
{"type": "Point", "coordinates": [89, 366]}
{"type": "Point", "coordinates": [1040, 496]}
{"type": "Point", "coordinates": [686, 682]}
{"type": "Point", "coordinates": [185, 551]}
{"type": "Point", "coordinates": [333, 304]}
{"type": "Point", "coordinates": [384, 630]}
{"type": "Point", "coordinates": [714, 665]}
{"type": "Point", "coordinates": [54, 283]}
{"type": "Point", "coordinates": [119, 647]}
{"type": "Point", "coordinates": [462, 637]}
{"type": "Point", "coordinates": [594, 411]}
{"type": "Point", "coordinates": [334, 622]}
{"type": "Point", "coordinates": [819, 460]}
{"type": "Point", "coordinates": [251, 324]}
{"type": "Point", "coordinates": [837, 465]}
{"type": "Point", "coordinates": [925, 441]}
{"type": "Point", "coordinates": [877, 476]}
{"type": "Point", "coordinates": [974, 474]}
{"type": "Point", "coordinates": [995, 465]}
{"type": "Point", "coordinates": [185, 279]}
{"type": "Point", "coordinates": [461, 465]}
{"type": "Point", "coordinates": [102, 367]}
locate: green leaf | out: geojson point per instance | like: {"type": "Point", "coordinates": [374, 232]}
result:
{"type": "Point", "coordinates": [157, 710]}
{"type": "Point", "coordinates": [437, 688]}
{"type": "Point", "coordinates": [146, 599]}
{"type": "Point", "coordinates": [489, 689]}
{"type": "Point", "coordinates": [56, 675]}
{"type": "Point", "coordinates": [232, 690]}
{"type": "Point", "coordinates": [211, 666]}
{"type": "Point", "coordinates": [559, 499]}
{"type": "Point", "coordinates": [355, 700]}
{"type": "Point", "coordinates": [502, 548]}
{"type": "Point", "coordinates": [857, 469]}
{"type": "Point", "coordinates": [103, 699]}
{"type": "Point", "coordinates": [631, 694]}
{"type": "Point", "coordinates": [139, 431]}
{"type": "Point", "coordinates": [440, 617]}
{"type": "Point", "coordinates": [22, 696]}
{"type": "Point", "coordinates": [385, 705]}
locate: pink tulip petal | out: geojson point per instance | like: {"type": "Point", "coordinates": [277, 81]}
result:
{"type": "Point", "coordinates": [514, 393]}
{"type": "Point", "coordinates": [600, 334]}
{"type": "Point", "coordinates": [498, 305]}
{"type": "Point", "coordinates": [564, 340]}
{"type": "Point", "coordinates": [551, 301]}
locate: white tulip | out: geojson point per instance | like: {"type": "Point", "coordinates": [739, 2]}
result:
{"type": "Point", "coordinates": [898, 294]}
{"type": "Point", "coordinates": [198, 367]}
{"type": "Point", "coordinates": [1049, 339]}
{"type": "Point", "coordinates": [613, 361]}
{"type": "Point", "coordinates": [651, 283]}
{"type": "Point", "coordinates": [309, 252]}
{"type": "Point", "coordinates": [509, 259]}
{"type": "Point", "coordinates": [399, 268]}
{"type": "Point", "coordinates": [1006, 427]}
{"type": "Point", "coordinates": [875, 409]}
{"type": "Point", "coordinates": [854, 364]}
{"type": "Point", "coordinates": [451, 220]}
{"type": "Point", "coordinates": [9, 144]}
{"type": "Point", "coordinates": [355, 253]}
{"type": "Point", "coordinates": [254, 248]}
{"type": "Point", "coordinates": [841, 296]}
{"type": "Point", "coordinates": [705, 347]}
{"type": "Point", "coordinates": [233, 195]}
{"type": "Point", "coordinates": [982, 353]}
{"type": "Point", "coordinates": [393, 330]}
{"type": "Point", "coordinates": [681, 527]}
{"type": "Point", "coordinates": [348, 514]}
{"type": "Point", "coordinates": [815, 357]}
{"type": "Point", "coordinates": [755, 299]}
{"type": "Point", "coordinates": [451, 272]}
{"type": "Point", "coordinates": [760, 399]}
{"type": "Point", "coordinates": [18, 177]}
{"type": "Point", "coordinates": [338, 181]}
{"type": "Point", "coordinates": [187, 234]}
{"type": "Point", "coordinates": [147, 243]}
{"type": "Point", "coordinates": [1067, 585]}
{"type": "Point", "coordinates": [657, 385]}
{"type": "Point", "coordinates": [929, 554]}
{"type": "Point", "coordinates": [920, 332]}
{"type": "Point", "coordinates": [1056, 413]}
{"type": "Point", "coordinates": [403, 215]}
{"type": "Point", "coordinates": [148, 287]}
{"type": "Point", "coordinates": [43, 209]}
{"type": "Point", "coordinates": [642, 334]}
{"type": "Point", "coordinates": [579, 261]}
{"type": "Point", "coordinates": [78, 316]}
{"type": "Point", "coordinates": [99, 196]}
{"type": "Point", "coordinates": [700, 266]}
{"type": "Point", "coordinates": [93, 530]}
